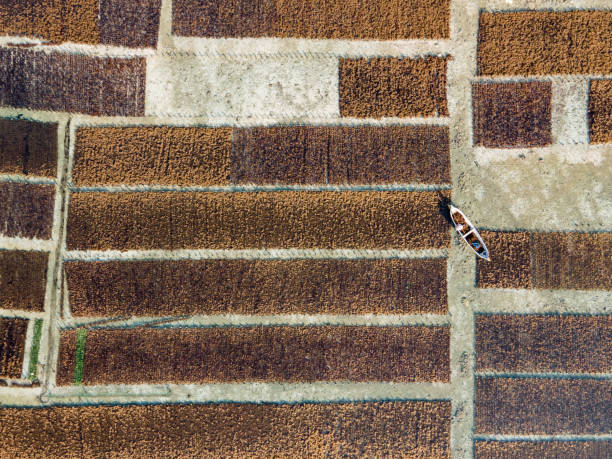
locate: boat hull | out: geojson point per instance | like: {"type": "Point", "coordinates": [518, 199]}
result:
{"type": "Point", "coordinates": [468, 232]}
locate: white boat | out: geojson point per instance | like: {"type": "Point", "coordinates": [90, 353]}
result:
{"type": "Point", "coordinates": [468, 232]}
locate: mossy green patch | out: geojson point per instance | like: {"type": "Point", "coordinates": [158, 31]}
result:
{"type": "Point", "coordinates": [32, 369]}
{"type": "Point", "coordinates": [80, 357]}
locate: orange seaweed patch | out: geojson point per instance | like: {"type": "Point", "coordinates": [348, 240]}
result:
{"type": "Point", "coordinates": [115, 22]}
{"type": "Point", "coordinates": [265, 354]}
{"type": "Point", "coordinates": [545, 43]}
{"type": "Point", "coordinates": [160, 155]}
{"type": "Point", "coordinates": [236, 430]}
{"type": "Point", "coordinates": [375, 88]}
{"type": "Point", "coordinates": [52, 20]}
{"type": "Point", "coordinates": [284, 219]}
{"type": "Point", "coordinates": [352, 19]}
{"type": "Point", "coordinates": [510, 265]}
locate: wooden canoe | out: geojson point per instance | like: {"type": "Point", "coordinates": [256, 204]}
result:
{"type": "Point", "coordinates": [468, 232]}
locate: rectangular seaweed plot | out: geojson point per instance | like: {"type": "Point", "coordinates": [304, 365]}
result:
{"type": "Point", "coordinates": [510, 265]}
{"type": "Point", "coordinates": [541, 406]}
{"type": "Point", "coordinates": [285, 219]}
{"type": "Point", "coordinates": [27, 210]}
{"type": "Point", "coordinates": [167, 288]}
{"type": "Point", "coordinates": [357, 19]}
{"type": "Point", "coordinates": [114, 22]}
{"type": "Point", "coordinates": [23, 276]}
{"type": "Point", "coordinates": [265, 354]}
{"type": "Point", "coordinates": [373, 429]}
{"type": "Point", "coordinates": [391, 87]}
{"type": "Point", "coordinates": [573, 260]}
{"type": "Point", "coordinates": [12, 347]}
{"type": "Point", "coordinates": [52, 20]}
{"type": "Point", "coordinates": [151, 155]}
{"type": "Point", "coordinates": [542, 449]}
{"type": "Point", "coordinates": [545, 43]}
{"type": "Point", "coordinates": [72, 83]}
{"type": "Point", "coordinates": [512, 115]}
{"type": "Point", "coordinates": [28, 147]}
{"type": "Point", "coordinates": [132, 23]}
{"type": "Point", "coordinates": [600, 111]}
{"type": "Point", "coordinates": [547, 261]}
{"type": "Point", "coordinates": [572, 344]}
{"type": "Point", "coordinates": [340, 155]}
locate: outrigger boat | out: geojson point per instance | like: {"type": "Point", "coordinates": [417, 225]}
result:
{"type": "Point", "coordinates": [468, 232]}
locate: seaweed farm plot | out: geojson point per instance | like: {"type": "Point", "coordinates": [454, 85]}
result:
{"type": "Point", "coordinates": [548, 261]}
{"type": "Point", "coordinates": [255, 220]}
{"type": "Point", "coordinates": [247, 354]}
{"type": "Point", "coordinates": [12, 350]}
{"type": "Point", "coordinates": [542, 375]}
{"type": "Point", "coordinates": [168, 288]}
{"type": "Point", "coordinates": [29, 235]}
{"type": "Point", "coordinates": [277, 155]}
{"type": "Point", "coordinates": [231, 430]}
{"type": "Point", "coordinates": [19, 350]}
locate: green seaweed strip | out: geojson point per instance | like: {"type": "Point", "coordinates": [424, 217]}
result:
{"type": "Point", "coordinates": [80, 357]}
{"type": "Point", "coordinates": [38, 323]}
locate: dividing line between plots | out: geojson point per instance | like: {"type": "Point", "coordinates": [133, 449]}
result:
{"type": "Point", "coordinates": [258, 188]}
{"type": "Point", "coordinates": [251, 254]}
{"type": "Point", "coordinates": [564, 437]}
{"type": "Point", "coordinates": [546, 375]}
{"type": "Point", "coordinates": [257, 392]}
{"type": "Point", "coordinates": [237, 320]}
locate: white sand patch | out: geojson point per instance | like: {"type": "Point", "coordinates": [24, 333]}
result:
{"type": "Point", "coordinates": [254, 392]}
{"type": "Point", "coordinates": [569, 154]}
{"type": "Point", "coordinates": [21, 243]}
{"type": "Point", "coordinates": [555, 5]}
{"type": "Point", "coordinates": [496, 300]}
{"type": "Point", "coordinates": [541, 192]}
{"type": "Point", "coordinates": [35, 44]}
{"type": "Point", "coordinates": [569, 111]}
{"type": "Point", "coordinates": [253, 254]}
{"type": "Point", "coordinates": [306, 48]}
{"type": "Point", "coordinates": [241, 87]}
